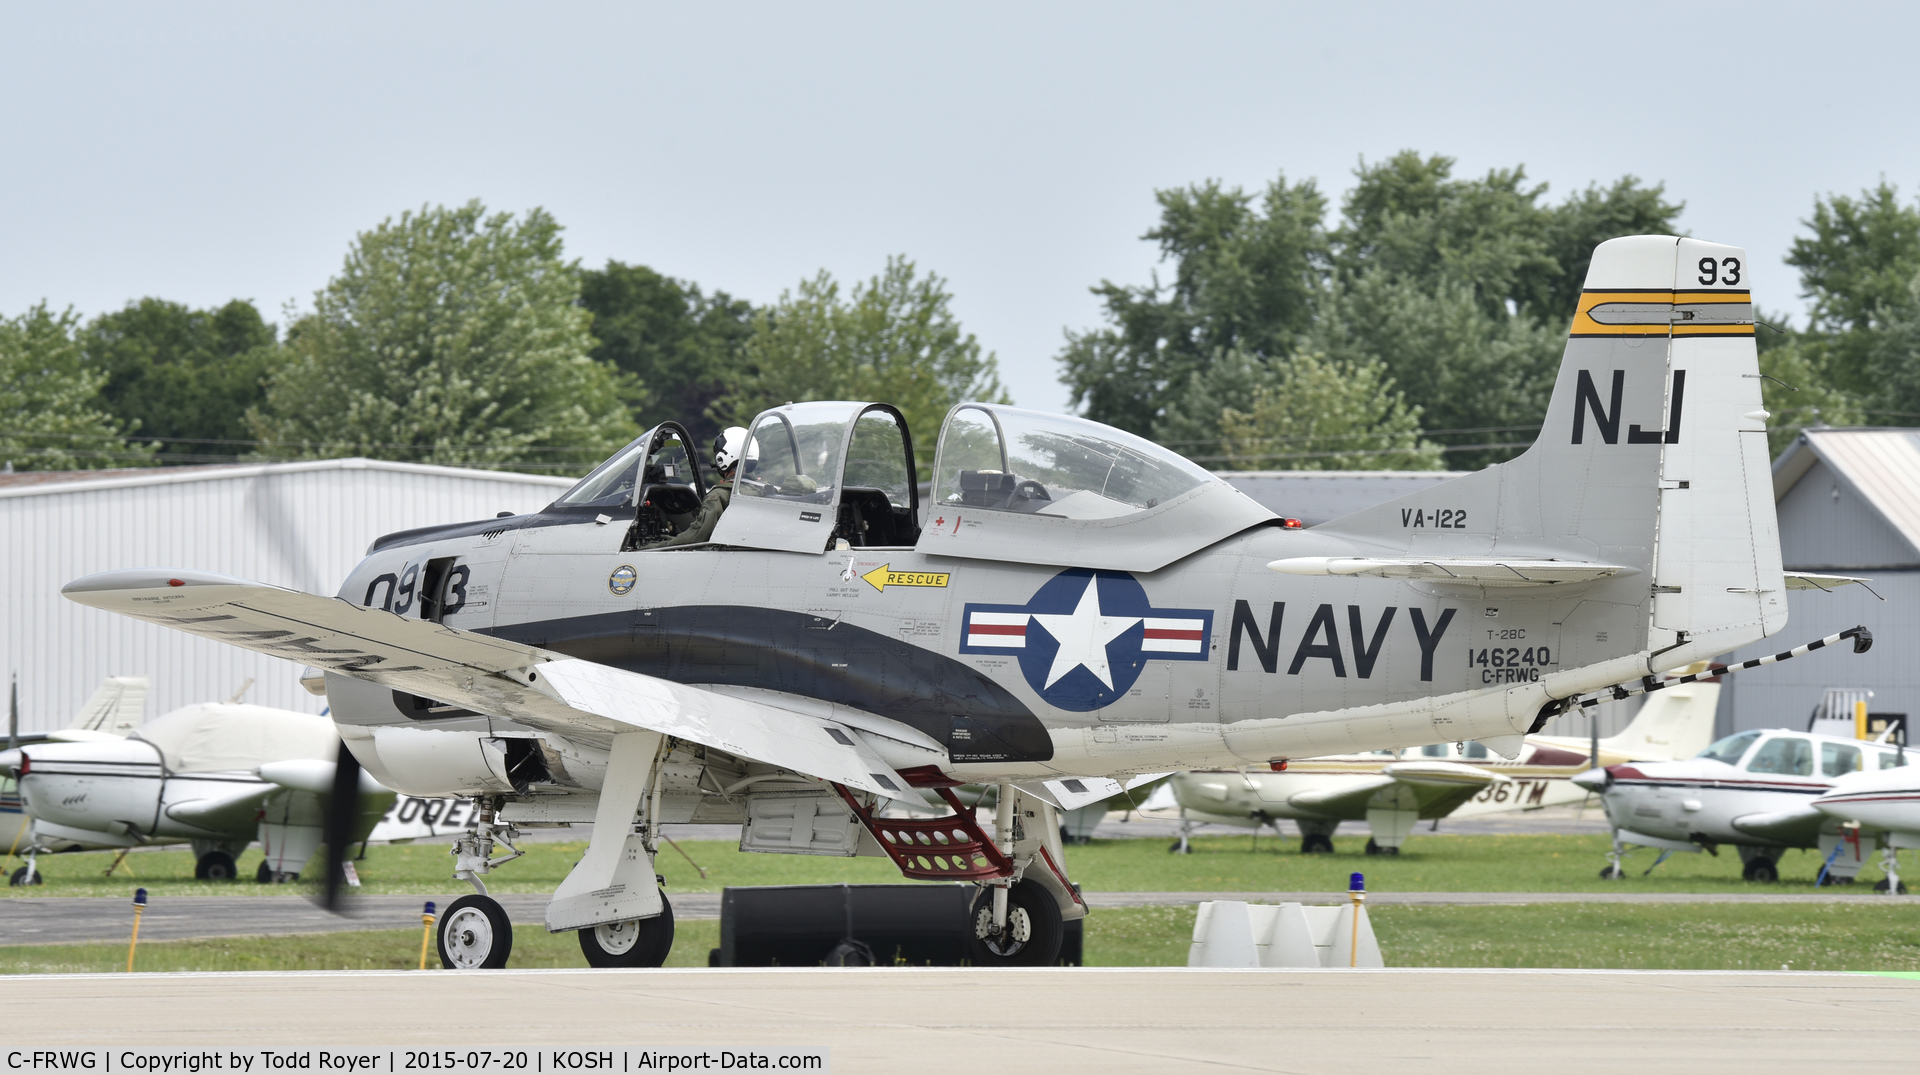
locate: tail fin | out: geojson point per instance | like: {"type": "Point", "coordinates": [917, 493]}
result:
{"type": "Point", "coordinates": [1653, 457]}
{"type": "Point", "coordinates": [115, 709]}
{"type": "Point", "coordinates": [1672, 724]}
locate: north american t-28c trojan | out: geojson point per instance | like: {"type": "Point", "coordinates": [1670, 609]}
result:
{"type": "Point", "coordinates": [1076, 607]}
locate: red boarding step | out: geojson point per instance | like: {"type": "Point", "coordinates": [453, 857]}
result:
{"type": "Point", "coordinates": [935, 848]}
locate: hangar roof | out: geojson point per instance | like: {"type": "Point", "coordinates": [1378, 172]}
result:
{"type": "Point", "coordinates": [1850, 497]}
{"type": "Point", "coordinates": [37, 482]}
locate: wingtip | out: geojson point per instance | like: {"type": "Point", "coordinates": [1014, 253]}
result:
{"type": "Point", "coordinates": [147, 578]}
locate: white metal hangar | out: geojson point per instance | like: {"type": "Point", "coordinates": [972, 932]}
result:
{"type": "Point", "coordinates": [1849, 504]}
{"type": "Point", "coordinates": [302, 525]}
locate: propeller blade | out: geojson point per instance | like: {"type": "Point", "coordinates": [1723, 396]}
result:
{"type": "Point", "coordinates": [343, 812]}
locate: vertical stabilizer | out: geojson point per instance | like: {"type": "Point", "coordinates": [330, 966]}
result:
{"type": "Point", "coordinates": [1652, 457]}
{"type": "Point", "coordinates": [115, 708]}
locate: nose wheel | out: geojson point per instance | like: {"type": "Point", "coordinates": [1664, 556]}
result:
{"type": "Point", "coordinates": [475, 934]}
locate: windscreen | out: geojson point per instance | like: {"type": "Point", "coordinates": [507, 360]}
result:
{"type": "Point", "coordinates": [1007, 459]}
{"type": "Point", "coordinates": [612, 483]}
{"type": "Point", "coordinates": [1730, 749]}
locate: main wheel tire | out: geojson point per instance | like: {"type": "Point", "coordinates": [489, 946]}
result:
{"type": "Point", "coordinates": [267, 875]}
{"type": "Point", "coordinates": [1316, 843]}
{"type": "Point", "coordinates": [475, 934]}
{"type": "Point", "coordinates": [1611, 872]}
{"type": "Point", "coordinates": [25, 875]}
{"type": "Point", "coordinates": [215, 866]}
{"type": "Point", "coordinates": [1033, 934]}
{"type": "Point", "coordinates": [636, 942]}
{"type": "Point", "coordinates": [1881, 886]}
{"type": "Point", "coordinates": [1762, 870]}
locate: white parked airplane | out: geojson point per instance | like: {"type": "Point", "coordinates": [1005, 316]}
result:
{"type": "Point", "coordinates": [1755, 791]}
{"type": "Point", "coordinates": [1392, 789]}
{"type": "Point", "coordinates": [213, 775]}
{"type": "Point", "coordinates": [1076, 605]}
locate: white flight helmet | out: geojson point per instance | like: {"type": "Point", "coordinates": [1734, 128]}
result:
{"type": "Point", "coordinates": [728, 447]}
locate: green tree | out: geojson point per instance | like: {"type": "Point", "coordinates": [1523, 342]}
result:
{"type": "Point", "coordinates": [449, 336]}
{"type": "Point", "coordinates": [185, 375]}
{"type": "Point", "coordinates": [1246, 276]}
{"type": "Point", "coordinates": [51, 416]}
{"type": "Point", "coordinates": [1856, 266]}
{"type": "Point", "coordinates": [1461, 289]}
{"type": "Point", "coordinates": [1895, 356]}
{"type": "Point", "coordinates": [682, 345]}
{"type": "Point", "coordinates": [893, 339]}
{"type": "Point", "coordinates": [1316, 413]}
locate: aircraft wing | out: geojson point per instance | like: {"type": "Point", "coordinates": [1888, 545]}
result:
{"type": "Point", "coordinates": [232, 811]}
{"type": "Point", "coordinates": [1799, 826]}
{"type": "Point", "coordinates": [1465, 571]}
{"type": "Point", "coordinates": [532, 686]}
{"type": "Point", "coordinates": [1436, 788]}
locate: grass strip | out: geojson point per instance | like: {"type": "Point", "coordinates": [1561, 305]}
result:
{"type": "Point", "coordinates": [1880, 939]}
{"type": "Point", "coordinates": [1244, 863]}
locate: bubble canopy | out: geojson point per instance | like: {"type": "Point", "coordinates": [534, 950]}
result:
{"type": "Point", "coordinates": [1008, 459]}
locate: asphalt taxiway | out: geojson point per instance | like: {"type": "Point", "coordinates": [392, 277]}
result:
{"type": "Point", "coordinates": [962, 1020]}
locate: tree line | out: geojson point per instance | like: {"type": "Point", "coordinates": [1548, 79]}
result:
{"type": "Point", "coordinates": [1420, 327]}
{"type": "Point", "coordinates": [460, 337]}
{"type": "Point", "coordinates": [1423, 327]}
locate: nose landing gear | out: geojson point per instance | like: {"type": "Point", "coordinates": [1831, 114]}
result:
{"type": "Point", "coordinates": [475, 934]}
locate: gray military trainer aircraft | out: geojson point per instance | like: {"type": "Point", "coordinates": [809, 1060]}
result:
{"type": "Point", "coordinates": [1075, 607]}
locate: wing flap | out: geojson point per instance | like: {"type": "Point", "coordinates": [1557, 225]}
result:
{"type": "Point", "coordinates": [1456, 570]}
{"type": "Point", "coordinates": [536, 687]}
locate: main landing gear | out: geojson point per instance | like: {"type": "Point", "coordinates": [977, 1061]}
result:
{"type": "Point", "coordinates": [1029, 928]}
{"type": "Point", "coordinates": [610, 898]}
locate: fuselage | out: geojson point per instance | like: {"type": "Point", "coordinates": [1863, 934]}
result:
{"type": "Point", "coordinates": [1236, 642]}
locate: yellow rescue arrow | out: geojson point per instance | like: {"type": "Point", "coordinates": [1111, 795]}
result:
{"type": "Point", "coordinates": [884, 576]}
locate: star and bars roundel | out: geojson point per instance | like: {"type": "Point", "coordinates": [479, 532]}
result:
{"type": "Point", "coordinates": [1084, 637]}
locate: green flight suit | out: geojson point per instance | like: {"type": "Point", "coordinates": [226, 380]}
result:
{"type": "Point", "coordinates": [711, 507]}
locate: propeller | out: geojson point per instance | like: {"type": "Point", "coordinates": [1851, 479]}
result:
{"type": "Point", "coordinates": [342, 818]}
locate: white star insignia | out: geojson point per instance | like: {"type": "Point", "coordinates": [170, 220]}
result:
{"type": "Point", "coordinates": [1083, 637]}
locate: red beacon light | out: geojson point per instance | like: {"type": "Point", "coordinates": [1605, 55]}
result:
{"type": "Point", "coordinates": [1290, 524]}
{"type": "Point", "coordinates": [1278, 765]}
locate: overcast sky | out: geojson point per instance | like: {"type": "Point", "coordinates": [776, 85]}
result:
{"type": "Point", "coordinates": [203, 152]}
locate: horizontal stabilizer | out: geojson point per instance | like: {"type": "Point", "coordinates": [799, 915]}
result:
{"type": "Point", "coordinates": [532, 686]}
{"type": "Point", "coordinates": [1455, 570]}
{"type": "Point", "coordinates": [1804, 580]}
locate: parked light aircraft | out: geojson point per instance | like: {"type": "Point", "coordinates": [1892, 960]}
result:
{"type": "Point", "coordinates": [1755, 791]}
{"type": "Point", "coordinates": [113, 712]}
{"type": "Point", "coordinates": [1392, 789]}
{"type": "Point", "coordinates": [1882, 801]}
{"type": "Point", "coordinates": [1075, 604]}
{"type": "Point", "coordinates": [211, 775]}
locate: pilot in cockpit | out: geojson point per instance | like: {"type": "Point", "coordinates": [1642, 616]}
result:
{"type": "Point", "coordinates": [728, 448]}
